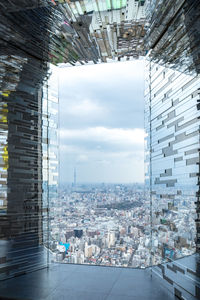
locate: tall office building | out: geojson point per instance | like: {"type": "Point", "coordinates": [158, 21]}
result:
{"type": "Point", "coordinates": [74, 177]}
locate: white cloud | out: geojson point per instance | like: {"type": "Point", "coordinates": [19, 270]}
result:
{"type": "Point", "coordinates": [66, 148]}
{"type": "Point", "coordinates": [84, 108]}
{"type": "Point", "coordinates": [109, 135]}
{"type": "Point", "coordinates": [105, 72]}
{"type": "Point", "coordinates": [82, 158]}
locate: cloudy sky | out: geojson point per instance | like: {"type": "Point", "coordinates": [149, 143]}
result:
{"type": "Point", "coordinates": [102, 122]}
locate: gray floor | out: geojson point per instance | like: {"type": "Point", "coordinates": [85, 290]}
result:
{"type": "Point", "coordinates": [79, 282]}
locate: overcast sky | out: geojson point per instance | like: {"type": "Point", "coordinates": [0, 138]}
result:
{"type": "Point", "coordinates": [102, 122]}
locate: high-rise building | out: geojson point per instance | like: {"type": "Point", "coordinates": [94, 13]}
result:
{"type": "Point", "coordinates": [74, 177]}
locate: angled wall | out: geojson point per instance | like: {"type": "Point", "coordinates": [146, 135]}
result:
{"type": "Point", "coordinates": [21, 207]}
{"type": "Point", "coordinates": [172, 124]}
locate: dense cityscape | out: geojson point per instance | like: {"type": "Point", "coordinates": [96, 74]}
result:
{"type": "Point", "coordinates": [109, 224]}
{"type": "Point", "coordinates": [102, 224]}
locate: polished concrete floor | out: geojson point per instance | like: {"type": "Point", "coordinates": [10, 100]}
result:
{"type": "Point", "coordinates": [79, 282]}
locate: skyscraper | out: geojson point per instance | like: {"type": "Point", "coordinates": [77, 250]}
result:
{"type": "Point", "coordinates": [74, 177]}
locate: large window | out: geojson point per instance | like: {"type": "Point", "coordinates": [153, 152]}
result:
{"type": "Point", "coordinates": [102, 215]}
